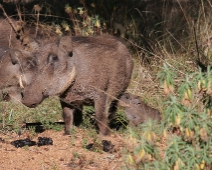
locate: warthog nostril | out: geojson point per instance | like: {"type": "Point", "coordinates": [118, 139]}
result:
{"type": "Point", "coordinates": [33, 105]}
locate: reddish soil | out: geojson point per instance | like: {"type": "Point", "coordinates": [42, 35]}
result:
{"type": "Point", "coordinates": [67, 152]}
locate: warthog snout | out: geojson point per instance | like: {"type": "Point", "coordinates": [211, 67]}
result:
{"type": "Point", "coordinates": [32, 103]}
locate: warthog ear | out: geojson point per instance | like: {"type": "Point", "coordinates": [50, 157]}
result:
{"type": "Point", "coordinates": [15, 56]}
{"type": "Point", "coordinates": [66, 45]}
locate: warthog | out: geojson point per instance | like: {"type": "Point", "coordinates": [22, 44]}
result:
{"type": "Point", "coordinates": [81, 70]}
{"type": "Point", "coordinates": [14, 72]}
{"type": "Point", "coordinates": [15, 65]}
{"type": "Point", "coordinates": [136, 110]}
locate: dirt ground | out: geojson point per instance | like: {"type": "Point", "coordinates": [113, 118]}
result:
{"type": "Point", "coordinates": [67, 152]}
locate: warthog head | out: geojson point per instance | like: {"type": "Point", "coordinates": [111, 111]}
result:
{"type": "Point", "coordinates": [16, 64]}
{"type": "Point", "coordinates": [54, 74]}
{"type": "Point", "coordinates": [16, 70]}
{"type": "Point", "coordinates": [136, 110]}
{"type": "Point", "coordinates": [19, 54]}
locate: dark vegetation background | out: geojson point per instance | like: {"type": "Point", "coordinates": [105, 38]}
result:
{"type": "Point", "coordinates": [144, 23]}
{"type": "Point", "coordinates": [170, 41]}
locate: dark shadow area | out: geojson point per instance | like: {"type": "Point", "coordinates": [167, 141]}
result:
{"type": "Point", "coordinates": [40, 127]}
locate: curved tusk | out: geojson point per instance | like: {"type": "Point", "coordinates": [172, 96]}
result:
{"type": "Point", "coordinates": [21, 82]}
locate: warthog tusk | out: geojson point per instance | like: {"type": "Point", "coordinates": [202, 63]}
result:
{"type": "Point", "coordinates": [21, 82]}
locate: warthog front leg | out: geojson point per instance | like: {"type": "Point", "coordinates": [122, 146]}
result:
{"type": "Point", "coordinates": [72, 115]}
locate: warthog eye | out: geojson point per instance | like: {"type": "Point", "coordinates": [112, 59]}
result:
{"type": "Point", "coordinates": [30, 64]}
{"type": "Point", "coordinates": [52, 58]}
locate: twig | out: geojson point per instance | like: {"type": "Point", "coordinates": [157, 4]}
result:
{"type": "Point", "coordinates": [19, 13]}
{"type": "Point", "coordinates": [196, 43]}
{"type": "Point", "coordinates": [37, 9]}
{"type": "Point", "coordinates": [8, 19]}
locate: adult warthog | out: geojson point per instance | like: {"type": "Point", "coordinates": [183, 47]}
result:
{"type": "Point", "coordinates": [15, 62]}
{"type": "Point", "coordinates": [81, 70]}
{"type": "Point", "coordinates": [16, 69]}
